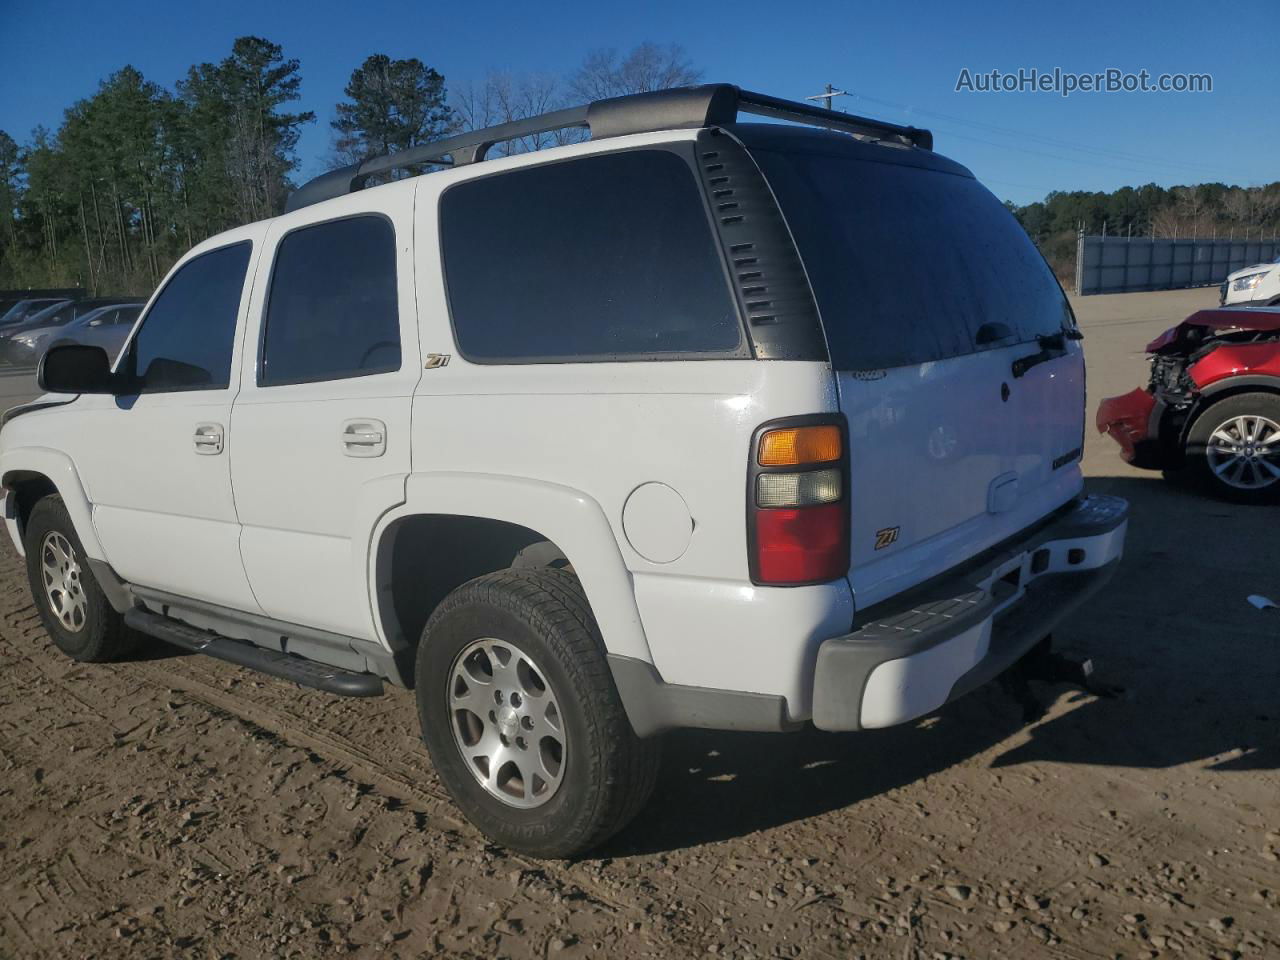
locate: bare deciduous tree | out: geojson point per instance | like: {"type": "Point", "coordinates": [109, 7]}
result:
{"type": "Point", "coordinates": [646, 68]}
{"type": "Point", "coordinates": [503, 98]}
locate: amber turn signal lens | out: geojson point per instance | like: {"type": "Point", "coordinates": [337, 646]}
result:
{"type": "Point", "coordinates": [795, 446]}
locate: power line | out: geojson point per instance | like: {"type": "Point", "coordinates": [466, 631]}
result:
{"type": "Point", "coordinates": [1049, 141]}
{"type": "Point", "coordinates": [1042, 153]}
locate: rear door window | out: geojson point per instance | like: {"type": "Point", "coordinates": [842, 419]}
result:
{"type": "Point", "coordinates": [332, 311]}
{"type": "Point", "coordinates": [607, 257]}
{"type": "Point", "coordinates": [910, 264]}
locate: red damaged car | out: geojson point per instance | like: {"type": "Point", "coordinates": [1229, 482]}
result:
{"type": "Point", "coordinates": [1212, 405]}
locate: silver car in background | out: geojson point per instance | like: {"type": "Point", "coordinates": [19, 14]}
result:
{"type": "Point", "coordinates": [23, 344]}
{"type": "Point", "coordinates": [106, 327]}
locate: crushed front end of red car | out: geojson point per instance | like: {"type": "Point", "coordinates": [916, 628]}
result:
{"type": "Point", "coordinates": [1208, 354]}
{"type": "Point", "coordinates": [1127, 419]}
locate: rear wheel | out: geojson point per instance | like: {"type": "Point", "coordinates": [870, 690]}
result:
{"type": "Point", "coordinates": [521, 716]}
{"type": "Point", "coordinates": [75, 611]}
{"type": "Point", "coordinates": [1233, 448]}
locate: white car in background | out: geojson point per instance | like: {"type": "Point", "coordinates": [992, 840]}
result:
{"type": "Point", "coordinates": [1258, 284]}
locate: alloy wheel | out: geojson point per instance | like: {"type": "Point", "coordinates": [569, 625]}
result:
{"type": "Point", "coordinates": [60, 572]}
{"type": "Point", "coordinates": [507, 722]}
{"type": "Point", "coordinates": [1244, 452]}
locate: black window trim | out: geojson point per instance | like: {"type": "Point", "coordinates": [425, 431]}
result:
{"type": "Point", "coordinates": [127, 362]}
{"type": "Point", "coordinates": [260, 353]}
{"type": "Point", "coordinates": [685, 150]}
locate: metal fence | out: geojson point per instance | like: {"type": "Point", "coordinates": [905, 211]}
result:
{"type": "Point", "coordinates": [1131, 264]}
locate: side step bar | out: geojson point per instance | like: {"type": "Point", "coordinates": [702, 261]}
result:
{"type": "Point", "coordinates": [306, 673]}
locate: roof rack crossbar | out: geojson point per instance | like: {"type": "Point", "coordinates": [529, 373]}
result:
{"type": "Point", "coordinates": [713, 104]}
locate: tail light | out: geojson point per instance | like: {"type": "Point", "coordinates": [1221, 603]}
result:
{"type": "Point", "coordinates": [798, 502]}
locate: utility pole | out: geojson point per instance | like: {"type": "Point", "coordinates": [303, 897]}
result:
{"type": "Point", "coordinates": [828, 95]}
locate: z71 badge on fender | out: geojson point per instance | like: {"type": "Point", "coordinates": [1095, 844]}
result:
{"type": "Point", "coordinates": [886, 536]}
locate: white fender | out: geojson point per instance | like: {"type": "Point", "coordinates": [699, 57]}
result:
{"type": "Point", "coordinates": [57, 466]}
{"type": "Point", "coordinates": [569, 517]}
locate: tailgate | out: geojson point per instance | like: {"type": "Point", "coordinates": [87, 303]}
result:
{"type": "Point", "coordinates": [952, 348]}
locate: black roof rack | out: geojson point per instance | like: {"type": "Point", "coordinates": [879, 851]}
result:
{"type": "Point", "coordinates": [710, 105]}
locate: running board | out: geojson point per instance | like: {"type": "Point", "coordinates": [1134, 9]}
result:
{"type": "Point", "coordinates": [306, 673]}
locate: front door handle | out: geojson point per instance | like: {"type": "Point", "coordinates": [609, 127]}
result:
{"type": "Point", "coordinates": [364, 438]}
{"type": "Point", "coordinates": [208, 438]}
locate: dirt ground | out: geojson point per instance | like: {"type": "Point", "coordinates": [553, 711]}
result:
{"type": "Point", "coordinates": [179, 806]}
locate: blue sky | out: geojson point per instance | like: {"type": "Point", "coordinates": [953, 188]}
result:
{"type": "Point", "coordinates": [903, 60]}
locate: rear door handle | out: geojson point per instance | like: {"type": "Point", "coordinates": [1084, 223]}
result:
{"type": "Point", "coordinates": [208, 438]}
{"type": "Point", "coordinates": [364, 438]}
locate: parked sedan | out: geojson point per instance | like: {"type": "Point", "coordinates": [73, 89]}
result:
{"type": "Point", "coordinates": [22, 344]}
{"type": "Point", "coordinates": [24, 310]}
{"type": "Point", "coordinates": [1212, 404]}
{"type": "Point", "coordinates": [107, 327]}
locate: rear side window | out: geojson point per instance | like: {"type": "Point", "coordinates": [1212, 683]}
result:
{"type": "Point", "coordinates": [188, 336]}
{"type": "Point", "coordinates": [332, 309]}
{"type": "Point", "coordinates": [910, 264]}
{"type": "Point", "coordinates": [602, 258]}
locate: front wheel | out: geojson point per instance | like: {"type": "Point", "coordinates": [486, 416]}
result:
{"type": "Point", "coordinates": [75, 611]}
{"type": "Point", "coordinates": [1233, 448]}
{"type": "Point", "coordinates": [522, 718]}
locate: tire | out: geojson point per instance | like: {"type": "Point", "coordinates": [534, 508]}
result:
{"type": "Point", "coordinates": [1225, 461]}
{"type": "Point", "coordinates": [588, 776]}
{"type": "Point", "coordinates": [75, 611]}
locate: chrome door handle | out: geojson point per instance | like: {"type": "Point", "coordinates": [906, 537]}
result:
{"type": "Point", "coordinates": [364, 438]}
{"type": "Point", "coordinates": [208, 438]}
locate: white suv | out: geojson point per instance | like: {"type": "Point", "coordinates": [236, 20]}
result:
{"type": "Point", "coordinates": [664, 429]}
{"type": "Point", "coordinates": [1258, 284]}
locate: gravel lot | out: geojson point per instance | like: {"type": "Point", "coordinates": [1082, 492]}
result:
{"type": "Point", "coordinates": [178, 806]}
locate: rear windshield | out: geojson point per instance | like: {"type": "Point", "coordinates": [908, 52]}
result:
{"type": "Point", "coordinates": [910, 264]}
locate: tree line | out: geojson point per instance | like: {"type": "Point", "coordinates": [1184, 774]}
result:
{"type": "Point", "coordinates": [1201, 210]}
{"type": "Point", "coordinates": [137, 173]}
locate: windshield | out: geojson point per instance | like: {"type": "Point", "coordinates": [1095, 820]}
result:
{"type": "Point", "coordinates": [910, 264]}
{"type": "Point", "coordinates": [53, 316]}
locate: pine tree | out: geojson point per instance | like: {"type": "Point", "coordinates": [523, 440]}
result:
{"type": "Point", "coordinates": [392, 105]}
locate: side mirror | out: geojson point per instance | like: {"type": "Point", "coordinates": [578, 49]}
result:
{"type": "Point", "coordinates": [76, 368]}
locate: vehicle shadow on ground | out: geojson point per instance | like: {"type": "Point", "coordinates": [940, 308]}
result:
{"type": "Point", "coordinates": [1200, 669]}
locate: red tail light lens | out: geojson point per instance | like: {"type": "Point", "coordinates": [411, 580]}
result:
{"type": "Point", "coordinates": [798, 502]}
{"type": "Point", "coordinates": [802, 545]}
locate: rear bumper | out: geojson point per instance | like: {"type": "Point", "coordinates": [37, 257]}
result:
{"type": "Point", "coordinates": [914, 654]}
{"type": "Point", "coordinates": [1133, 421]}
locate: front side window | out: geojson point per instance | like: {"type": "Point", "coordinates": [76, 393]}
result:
{"type": "Point", "coordinates": [608, 257]}
{"type": "Point", "coordinates": [332, 309]}
{"type": "Point", "coordinates": [188, 336]}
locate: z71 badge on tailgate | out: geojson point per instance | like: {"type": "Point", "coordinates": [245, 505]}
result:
{"type": "Point", "coordinates": [886, 536]}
